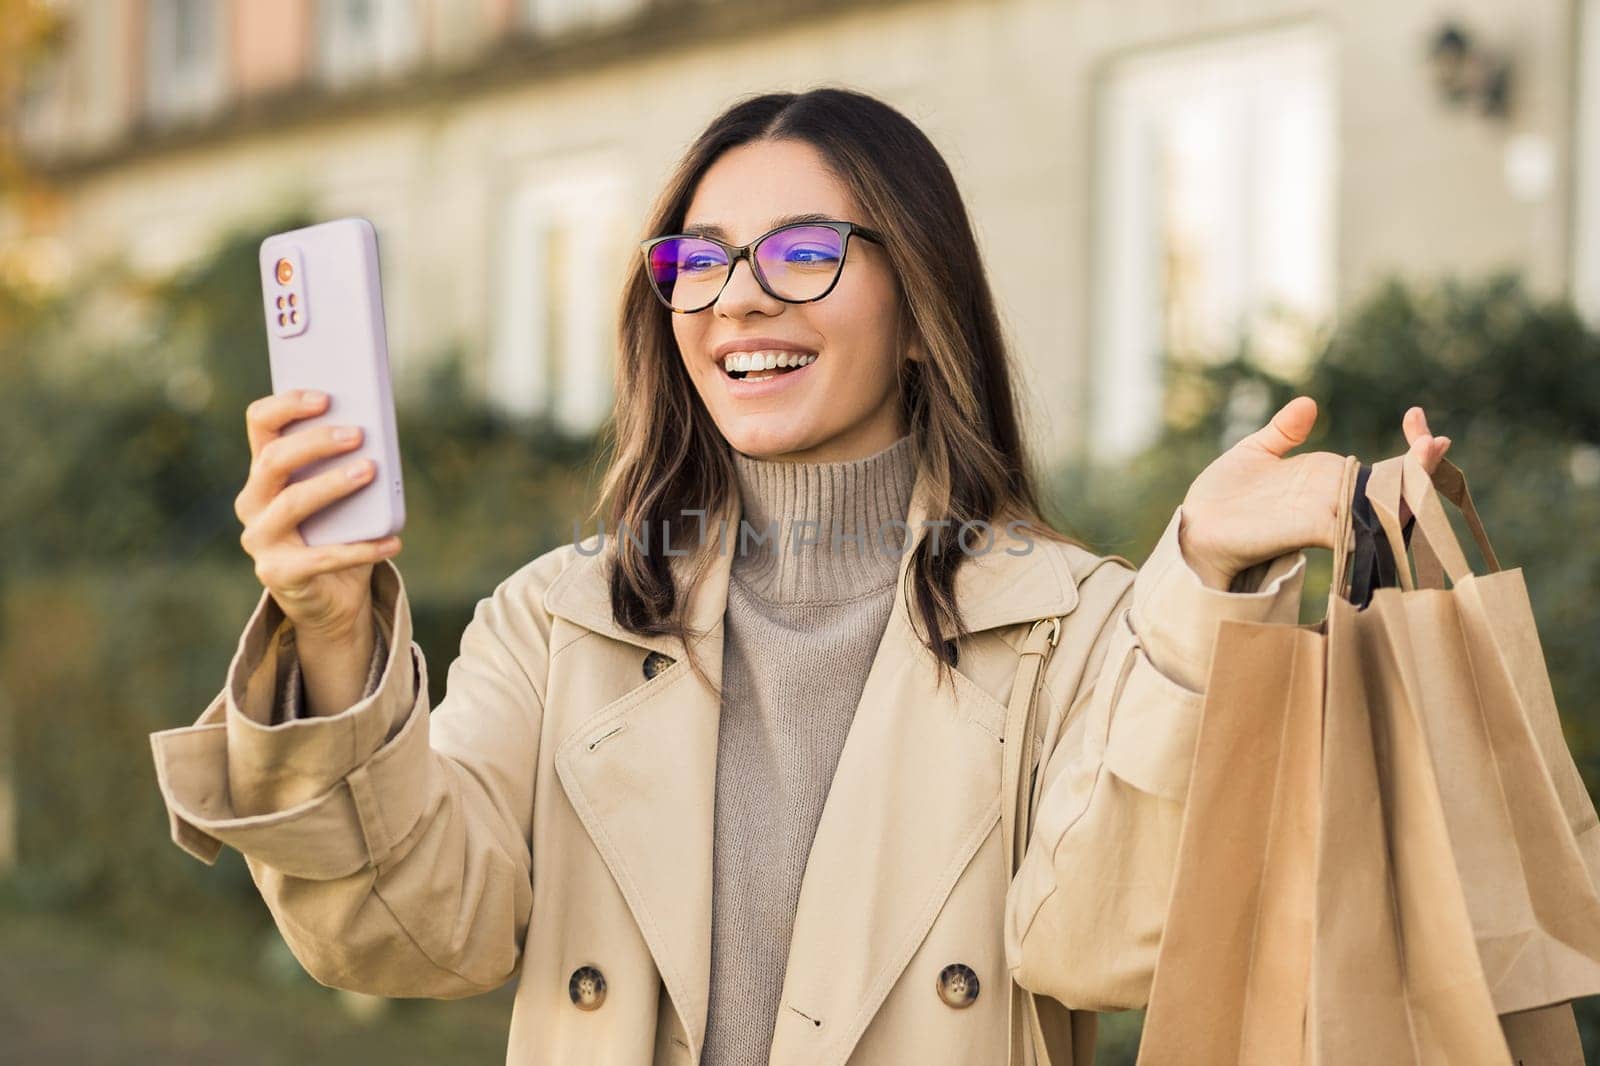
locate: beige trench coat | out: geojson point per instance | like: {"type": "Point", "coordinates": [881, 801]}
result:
{"type": "Point", "coordinates": [554, 812]}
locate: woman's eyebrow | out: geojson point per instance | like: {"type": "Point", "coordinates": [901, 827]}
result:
{"type": "Point", "coordinates": [708, 229]}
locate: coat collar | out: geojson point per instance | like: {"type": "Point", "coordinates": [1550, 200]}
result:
{"type": "Point", "coordinates": [1015, 580]}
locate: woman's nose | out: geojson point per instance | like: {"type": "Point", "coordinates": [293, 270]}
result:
{"type": "Point", "coordinates": [744, 293]}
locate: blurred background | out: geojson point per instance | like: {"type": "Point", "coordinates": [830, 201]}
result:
{"type": "Point", "coordinates": [1190, 212]}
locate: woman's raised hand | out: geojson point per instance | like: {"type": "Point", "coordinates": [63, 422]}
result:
{"type": "Point", "coordinates": [324, 591]}
{"type": "Point", "coordinates": [1256, 501]}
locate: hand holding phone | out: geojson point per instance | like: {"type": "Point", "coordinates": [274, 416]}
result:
{"type": "Point", "coordinates": [324, 590]}
{"type": "Point", "coordinates": [320, 509]}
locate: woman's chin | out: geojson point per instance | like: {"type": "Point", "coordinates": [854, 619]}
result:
{"type": "Point", "coordinates": [773, 435]}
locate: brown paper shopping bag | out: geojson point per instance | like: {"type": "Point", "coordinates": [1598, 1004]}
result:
{"type": "Point", "coordinates": [1318, 913]}
{"type": "Point", "coordinates": [1231, 974]}
{"type": "Point", "coordinates": [1395, 975]}
{"type": "Point", "coordinates": [1465, 664]}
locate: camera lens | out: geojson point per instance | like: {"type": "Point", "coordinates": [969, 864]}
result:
{"type": "Point", "coordinates": [285, 271]}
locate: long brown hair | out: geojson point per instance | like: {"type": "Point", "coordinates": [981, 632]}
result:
{"type": "Point", "coordinates": [667, 455]}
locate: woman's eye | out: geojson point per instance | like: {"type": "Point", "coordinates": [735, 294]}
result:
{"type": "Point", "coordinates": [700, 262]}
{"type": "Point", "coordinates": [810, 255]}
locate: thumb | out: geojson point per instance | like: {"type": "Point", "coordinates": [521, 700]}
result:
{"type": "Point", "coordinates": [1289, 428]}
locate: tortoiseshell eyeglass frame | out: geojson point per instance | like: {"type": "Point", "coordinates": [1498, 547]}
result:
{"type": "Point", "coordinates": [737, 252]}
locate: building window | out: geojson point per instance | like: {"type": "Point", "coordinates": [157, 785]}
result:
{"type": "Point", "coordinates": [1215, 216]}
{"type": "Point", "coordinates": [559, 16]}
{"type": "Point", "coordinates": [184, 56]}
{"type": "Point", "coordinates": [1586, 202]}
{"type": "Point", "coordinates": [363, 40]}
{"type": "Point", "coordinates": [564, 249]}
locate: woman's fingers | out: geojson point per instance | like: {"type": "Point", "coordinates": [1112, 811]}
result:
{"type": "Point", "coordinates": [288, 453]}
{"type": "Point", "coordinates": [1430, 450]}
{"type": "Point", "coordinates": [1288, 429]}
{"type": "Point", "coordinates": [292, 565]}
{"type": "Point", "coordinates": [282, 517]}
{"type": "Point", "coordinates": [265, 418]}
{"type": "Point", "coordinates": [1427, 448]}
{"type": "Point", "coordinates": [1423, 444]}
{"type": "Point", "coordinates": [1414, 424]}
{"type": "Point", "coordinates": [280, 457]}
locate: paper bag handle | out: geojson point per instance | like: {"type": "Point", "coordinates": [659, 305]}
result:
{"type": "Point", "coordinates": [1344, 537]}
{"type": "Point", "coordinates": [1403, 478]}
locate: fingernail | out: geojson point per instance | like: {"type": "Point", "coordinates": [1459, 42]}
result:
{"type": "Point", "coordinates": [311, 397]}
{"type": "Point", "coordinates": [360, 470]}
{"type": "Point", "coordinates": [344, 433]}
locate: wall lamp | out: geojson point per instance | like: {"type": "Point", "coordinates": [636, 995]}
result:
{"type": "Point", "coordinates": [1466, 74]}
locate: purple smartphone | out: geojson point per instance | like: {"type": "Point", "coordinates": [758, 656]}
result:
{"type": "Point", "coordinates": [324, 307]}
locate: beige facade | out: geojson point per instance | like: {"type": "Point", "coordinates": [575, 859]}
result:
{"type": "Point", "coordinates": [1145, 175]}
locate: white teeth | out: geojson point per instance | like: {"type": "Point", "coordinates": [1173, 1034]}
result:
{"type": "Point", "coordinates": [758, 361]}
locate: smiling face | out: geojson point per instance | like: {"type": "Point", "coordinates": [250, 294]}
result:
{"type": "Point", "coordinates": [844, 404]}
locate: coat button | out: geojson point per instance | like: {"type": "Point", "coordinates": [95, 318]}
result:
{"type": "Point", "coordinates": [656, 662]}
{"type": "Point", "coordinates": [958, 985]}
{"type": "Point", "coordinates": [587, 988]}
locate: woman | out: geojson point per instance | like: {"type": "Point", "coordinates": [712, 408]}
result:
{"type": "Point", "coordinates": [726, 797]}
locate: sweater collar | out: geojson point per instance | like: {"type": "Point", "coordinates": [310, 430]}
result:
{"type": "Point", "coordinates": [819, 532]}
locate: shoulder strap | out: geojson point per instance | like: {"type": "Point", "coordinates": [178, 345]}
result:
{"type": "Point", "coordinates": [1016, 813]}
{"type": "Point", "coordinates": [1016, 796]}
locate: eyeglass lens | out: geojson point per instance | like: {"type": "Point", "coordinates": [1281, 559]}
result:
{"type": "Point", "coordinates": [798, 263]}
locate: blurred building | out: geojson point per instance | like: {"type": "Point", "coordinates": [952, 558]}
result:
{"type": "Point", "coordinates": [1148, 177]}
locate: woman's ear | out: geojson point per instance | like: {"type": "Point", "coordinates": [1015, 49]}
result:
{"type": "Point", "coordinates": [910, 339]}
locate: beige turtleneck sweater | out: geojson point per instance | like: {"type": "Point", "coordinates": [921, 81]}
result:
{"type": "Point", "coordinates": [792, 610]}
{"type": "Point", "coordinates": [801, 629]}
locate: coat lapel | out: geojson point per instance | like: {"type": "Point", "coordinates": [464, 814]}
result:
{"type": "Point", "coordinates": [915, 792]}
{"type": "Point", "coordinates": [641, 774]}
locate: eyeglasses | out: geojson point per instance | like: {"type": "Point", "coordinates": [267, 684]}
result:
{"type": "Point", "coordinates": [797, 263]}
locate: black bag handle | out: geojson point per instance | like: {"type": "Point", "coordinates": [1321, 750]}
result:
{"type": "Point", "coordinates": [1373, 565]}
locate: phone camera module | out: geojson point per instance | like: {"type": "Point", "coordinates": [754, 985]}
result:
{"type": "Point", "coordinates": [283, 283]}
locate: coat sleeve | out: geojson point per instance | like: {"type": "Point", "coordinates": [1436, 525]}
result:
{"type": "Point", "coordinates": [391, 844]}
{"type": "Point", "coordinates": [1085, 911]}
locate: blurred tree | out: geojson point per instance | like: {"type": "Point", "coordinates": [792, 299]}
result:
{"type": "Point", "coordinates": [122, 421]}
{"type": "Point", "coordinates": [29, 31]}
